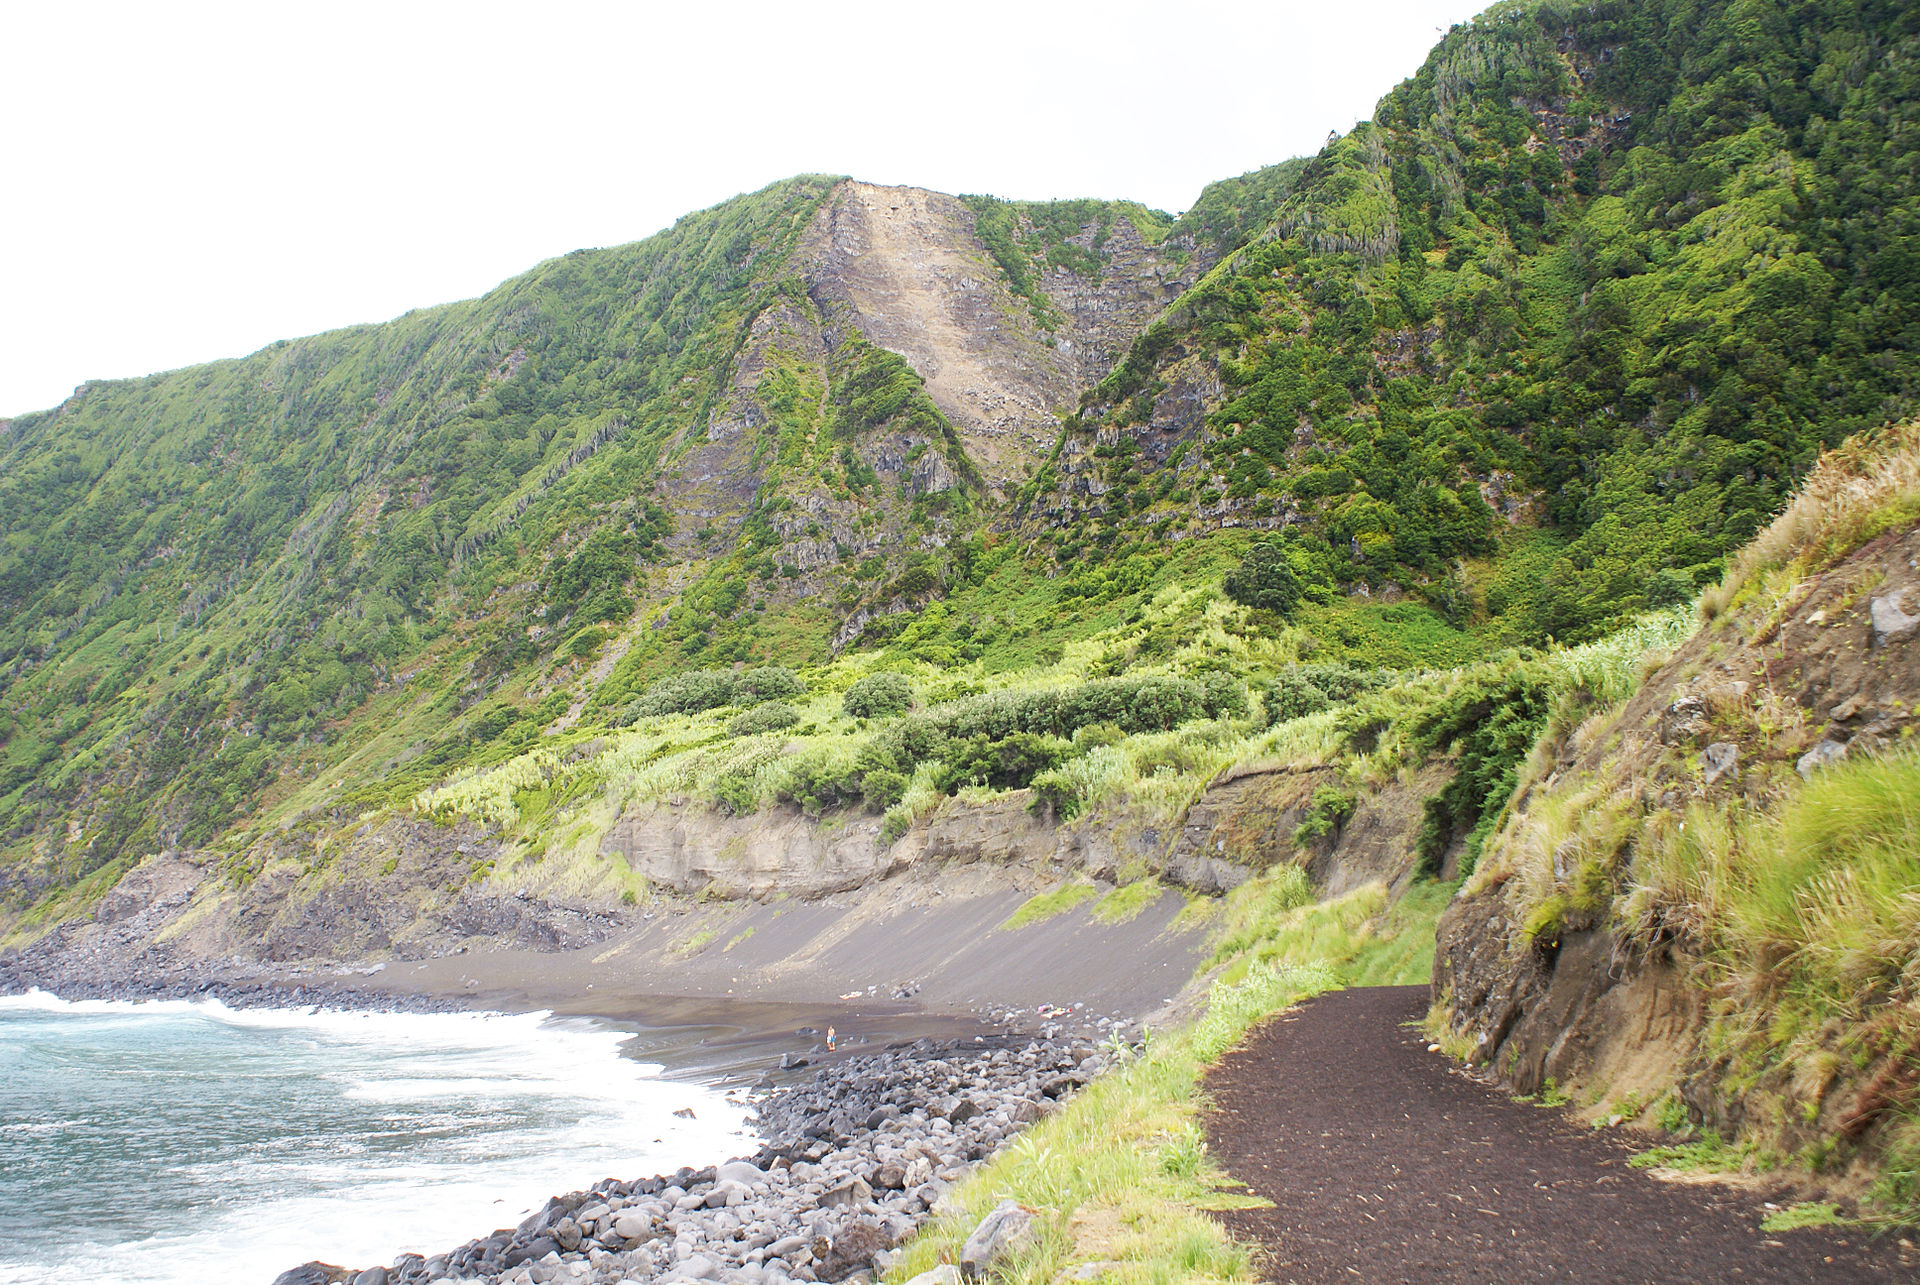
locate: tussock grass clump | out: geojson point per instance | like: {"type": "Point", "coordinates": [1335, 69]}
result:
{"type": "Point", "coordinates": [1045, 905]}
{"type": "Point", "coordinates": [1611, 669]}
{"type": "Point", "coordinates": [1869, 484]}
{"type": "Point", "coordinates": [1804, 921]}
{"type": "Point", "coordinates": [1274, 921]}
{"type": "Point", "coordinates": [1128, 901]}
{"type": "Point", "coordinates": [1821, 895]}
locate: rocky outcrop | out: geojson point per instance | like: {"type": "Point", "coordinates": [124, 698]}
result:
{"type": "Point", "coordinates": [903, 270]}
{"type": "Point", "coordinates": [1243, 824]}
{"type": "Point", "coordinates": [1248, 822]}
{"type": "Point", "coordinates": [694, 850]}
{"type": "Point", "coordinates": [1764, 694]}
{"type": "Point", "coordinates": [904, 267]}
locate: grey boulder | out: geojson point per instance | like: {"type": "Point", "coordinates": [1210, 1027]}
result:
{"type": "Point", "coordinates": [315, 1273]}
{"type": "Point", "coordinates": [1718, 759]}
{"type": "Point", "coordinates": [1009, 1229]}
{"type": "Point", "coordinates": [1825, 754]}
{"type": "Point", "coordinates": [945, 1274]}
{"type": "Point", "coordinates": [1896, 617]}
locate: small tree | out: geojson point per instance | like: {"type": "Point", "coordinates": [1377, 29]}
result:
{"type": "Point", "coordinates": [1265, 579]}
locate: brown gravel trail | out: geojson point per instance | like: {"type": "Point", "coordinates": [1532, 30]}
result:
{"type": "Point", "coordinates": [1387, 1165]}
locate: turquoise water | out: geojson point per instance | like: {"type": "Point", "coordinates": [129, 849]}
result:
{"type": "Point", "coordinates": [172, 1141]}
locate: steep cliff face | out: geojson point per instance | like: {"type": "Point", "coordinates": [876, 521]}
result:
{"type": "Point", "coordinates": [895, 388]}
{"type": "Point", "coordinates": [1699, 893]}
{"type": "Point", "coordinates": [902, 268]}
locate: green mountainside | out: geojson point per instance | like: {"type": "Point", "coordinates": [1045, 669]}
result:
{"type": "Point", "coordinates": [1526, 355]}
{"type": "Point", "coordinates": [1613, 273]}
{"type": "Point", "coordinates": [218, 576]}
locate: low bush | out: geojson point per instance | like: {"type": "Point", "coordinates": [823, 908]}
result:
{"type": "Point", "coordinates": [735, 795]}
{"type": "Point", "coordinates": [1265, 578]}
{"type": "Point", "coordinates": [1006, 764]}
{"type": "Point", "coordinates": [1329, 809]}
{"type": "Point", "coordinates": [882, 787]}
{"type": "Point", "coordinates": [878, 696]}
{"type": "Point", "coordinates": [1489, 721]}
{"type": "Point", "coordinates": [1299, 690]}
{"type": "Point", "coordinates": [1129, 706]}
{"type": "Point", "coordinates": [770, 717]}
{"type": "Point", "coordinates": [703, 689]}
{"type": "Point", "coordinates": [766, 683]}
{"type": "Point", "coordinates": [686, 693]}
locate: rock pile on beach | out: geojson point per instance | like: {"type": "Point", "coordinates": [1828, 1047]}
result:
{"type": "Point", "coordinates": [854, 1161]}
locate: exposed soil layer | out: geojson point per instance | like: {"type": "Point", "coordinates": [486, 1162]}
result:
{"type": "Point", "coordinates": [1384, 1163]}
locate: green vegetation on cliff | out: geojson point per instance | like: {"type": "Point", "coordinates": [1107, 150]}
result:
{"type": "Point", "coordinates": [1746, 830]}
{"type": "Point", "coordinates": [1622, 269]}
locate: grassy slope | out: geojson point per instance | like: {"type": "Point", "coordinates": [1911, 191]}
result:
{"type": "Point", "coordinates": [216, 580]}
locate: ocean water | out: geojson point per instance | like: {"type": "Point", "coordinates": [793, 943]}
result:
{"type": "Point", "coordinates": [173, 1142]}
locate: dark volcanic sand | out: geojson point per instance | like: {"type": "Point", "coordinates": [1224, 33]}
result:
{"type": "Point", "coordinates": [1387, 1165]}
{"type": "Point", "coordinates": [721, 992]}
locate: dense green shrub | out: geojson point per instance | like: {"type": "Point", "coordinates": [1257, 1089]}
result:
{"type": "Point", "coordinates": [769, 717]}
{"type": "Point", "coordinates": [703, 689]}
{"type": "Point", "coordinates": [1328, 810]}
{"type": "Point", "coordinates": [685, 693]}
{"type": "Point", "coordinates": [1491, 721]}
{"type": "Point", "coordinates": [735, 795]}
{"type": "Point", "coordinates": [1223, 696]}
{"type": "Point", "coordinates": [1299, 690]}
{"type": "Point", "coordinates": [878, 696]}
{"type": "Point", "coordinates": [1056, 792]}
{"type": "Point", "coordinates": [1292, 695]}
{"type": "Point", "coordinates": [1669, 588]}
{"type": "Point", "coordinates": [766, 683]}
{"type": "Point", "coordinates": [1128, 705]}
{"type": "Point", "coordinates": [818, 784]}
{"type": "Point", "coordinates": [877, 776]}
{"type": "Point", "coordinates": [1265, 578]}
{"type": "Point", "coordinates": [882, 787]}
{"type": "Point", "coordinates": [1005, 764]}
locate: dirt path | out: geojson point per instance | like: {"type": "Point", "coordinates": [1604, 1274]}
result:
{"type": "Point", "coordinates": [1385, 1165]}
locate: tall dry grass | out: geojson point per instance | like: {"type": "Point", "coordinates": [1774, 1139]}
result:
{"type": "Point", "coordinates": [1868, 484]}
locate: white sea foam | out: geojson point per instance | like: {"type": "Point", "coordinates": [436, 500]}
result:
{"type": "Point", "coordinates": [457, 1123]}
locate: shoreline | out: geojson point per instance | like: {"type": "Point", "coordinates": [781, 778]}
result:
{"type": "Point", "coordinates": [720, 1042]}
{"type": "Point", "coordinates": [852, 1150]}
{"type": "Point", "coordinates": [853, 1161]}
{"type": "Point", "coordinates": [891, 962]}
{"type": "Point", "coordinates": [926, 987]}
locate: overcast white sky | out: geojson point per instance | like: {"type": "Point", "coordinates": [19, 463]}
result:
{"type": "Point", "coordinates": [190, 181]}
